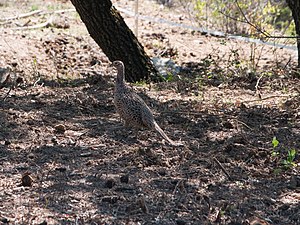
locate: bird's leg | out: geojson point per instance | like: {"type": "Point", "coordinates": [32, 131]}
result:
{"type": "Point", "coordinates": [130, 129]}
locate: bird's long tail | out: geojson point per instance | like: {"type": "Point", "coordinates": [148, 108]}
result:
{"type": "Point", "coordinates": [162, 133]}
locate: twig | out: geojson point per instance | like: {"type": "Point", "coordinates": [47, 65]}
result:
{"type": "Point", "coordinates": [36, 12]}
{"type": "Point", "coordinates": [6, 95]}
{"type": "Point", "coordinates": [222, 168]}
{"type": "Point", "coordinates": [241, 122]}
{"type": "Point", "coordinates": [142, 203]}
{"type": "Point", "coordinates": [38, 80]}
{"type": "Point", "coordinates": [179, 186]}
{"type": "Point", "coordinates": [231, 17]}
{"type": "Point", "coordinates": [256, 86]}
{"type": "Point", "coordinates": [288, 62]}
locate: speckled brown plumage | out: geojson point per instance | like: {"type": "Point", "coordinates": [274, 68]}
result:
{"type": "Point", "coordinates": [131, 107]}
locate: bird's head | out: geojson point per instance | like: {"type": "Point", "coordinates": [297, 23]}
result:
{"type": "Point", "coordinates": [118, 64]}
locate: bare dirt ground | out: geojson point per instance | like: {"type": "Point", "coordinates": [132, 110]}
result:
{"type": "Point", "coordinates": [65, 157]}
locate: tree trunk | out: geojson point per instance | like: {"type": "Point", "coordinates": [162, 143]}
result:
{"type": "Point", "coordinates": [107, 27]}
{"type": "Point", "coordinates": [295, 8]}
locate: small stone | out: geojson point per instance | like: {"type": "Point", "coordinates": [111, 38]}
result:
{"type": "Point", "coordinates": [124, 178]}
{"type": "Point", "coordinates": [192, 54]}
{"type": "Point", "coordinates": [162, 171]}
{"type": "Point", "coordinates": [26, 180]}
{"type": "Point", "coordinates": [19, 80]}
{"type": "Point", "coordinates": [60, 128]}
{"type": "Point", "coordinates": [180, 222]}
{"type": "Point", "coordinates": [228, 125]}
{"type": "Point", "coordinates": [110, 183]}
{"type": "Point", "coordinates": [4, 220]}
{"type": "Point", "coordinates": [14, 64]}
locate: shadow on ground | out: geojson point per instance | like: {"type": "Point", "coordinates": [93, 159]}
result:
{"type": "Point", "coordinates": [87, 168]}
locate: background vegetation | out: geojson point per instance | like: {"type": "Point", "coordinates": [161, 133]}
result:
{"type": "Point", "coordinates": [271, 17]}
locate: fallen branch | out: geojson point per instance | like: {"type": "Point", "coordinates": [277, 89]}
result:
{"type": "Point", "coordinates": [41, 25]}
{"type": "Point", "coordinates": [36, 12]}
{"type": "Point", "coordinates": [21, 16]}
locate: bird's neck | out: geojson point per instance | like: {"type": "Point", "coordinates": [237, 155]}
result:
{"type": "Point", "coordinates": [121, 76]}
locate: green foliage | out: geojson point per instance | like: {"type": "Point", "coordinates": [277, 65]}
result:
{"type": "Point", "coordinates": [169, 77]}
{"type": "Point", "coordinates": [141, 83]}
{"type": "Point", "coordinates": [34, 7]}
{"type": "Point", "coordinates": [234, 16]}
{"type": "Point", "coordinates": [200, 7]}
{"type": "Point", "coordinates": [289, 161]}
{"type": "Point", "coordinates": [287, 157]}
{"type": "Point", "coordinates": [275, 142]}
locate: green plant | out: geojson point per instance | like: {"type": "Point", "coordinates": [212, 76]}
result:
{"type": "Point", "coordinates": [141, 83]}
{"type": "Point", "coordinates": [288, 160]}
{"type": "Point", "coordinates": [275, 142]}
{"type": "Point", "coordinates": [169, 77]}
{"type": "Point", "coordinates": [34, 7]}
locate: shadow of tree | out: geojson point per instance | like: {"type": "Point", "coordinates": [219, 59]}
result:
{"type": "Point", "coordinates": [78, 168]}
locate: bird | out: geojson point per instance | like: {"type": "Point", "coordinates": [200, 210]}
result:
{"type": "Point", "coordinates": [131, 107]}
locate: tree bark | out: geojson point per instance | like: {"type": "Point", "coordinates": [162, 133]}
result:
{"type": "Point", "coordinates": [295, 8]}
{"type": "Point", "coordinates": [107, 27]}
